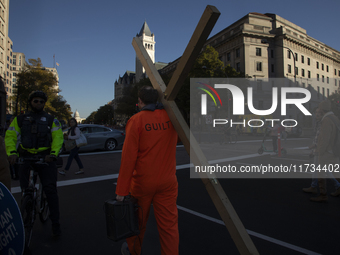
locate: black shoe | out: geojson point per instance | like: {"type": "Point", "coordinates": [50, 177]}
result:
{"type": "Point", "coordinates": [56, 231]}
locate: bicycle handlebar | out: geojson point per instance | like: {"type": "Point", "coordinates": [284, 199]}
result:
{"type": "Point", "coordinates": [35, 160]}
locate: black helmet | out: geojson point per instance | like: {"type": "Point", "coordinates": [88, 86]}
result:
{"type": "Point", "coordinates": [39, 94]}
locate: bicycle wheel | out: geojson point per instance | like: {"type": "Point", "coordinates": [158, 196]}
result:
{"type": "Point", "coordinates": [44, 209]}
{"type": "Point", "coordinates": [233, 139]}
{"type": "Point", "coordinates": [28, 216]}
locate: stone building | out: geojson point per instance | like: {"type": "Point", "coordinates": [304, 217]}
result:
{"type": "Point", "coordinates": [133, 77]}
{"type": "Point", "coordinates": [267, 46]}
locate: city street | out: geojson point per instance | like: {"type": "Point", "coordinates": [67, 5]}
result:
{"type": "Point", "coordinates": [276, 213]}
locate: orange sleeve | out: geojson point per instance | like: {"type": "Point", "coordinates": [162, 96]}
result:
{"type": "Point", "coordinates": [129, 157]}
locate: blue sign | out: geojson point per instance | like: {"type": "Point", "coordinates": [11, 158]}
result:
{"type": "Point", "coordinates": [12, 239]}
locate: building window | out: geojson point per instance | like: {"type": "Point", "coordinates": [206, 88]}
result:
{"type": "Point", "coordinates": [322, 67]}
{"type": "Point", "coordinates": [323, 92]}
{"type": "Point", "coordinates": [228, 56]}
{"type": "Point", "coordinates": [335, 81]}
{"type": "Point", "coordinates": [296, 71]}
{"type": "Point", "coordinates": [327, 68]}
{"type": "Point", "coordinates": [302, 59]}
{"type": "Point", "coordinates": [317, 65]}
{"type": "Point", "coordinates": [288, 54]}
{"type": "Point", "coordinates": [238, 52]}
{"type": "Point", "coordinates": [328, 80]}
{"type": "Point", "coordinates": [309, 74]}
{"type": "Point", "coordinates": [308, 61]}
{"type": "Point", "coordinates": [289, 69]}
{"type": "Point", "coordinates": [318, 92]}
{"type": "Point", "coordinates": [323, 78]}
{"type": "Point", "coordinates": [296, 57]}
{"type": "Point", "coordinates": [272, 53]}
{"type": "Point", "coordinates": [238, 67]}
{"type": "Point", "coordinates": [317, 77]}
{"type": "Point", "coordinates": [339, 72]}
{"type": "Point", "coordinates": [334, 71]}
{"type": "Point", "coordinates": [303, 72]}
{"type": "Point", "coordinates": [272, 68]}
{"type": "Point", "coordinates": [258, 52]}
{"type": "Point", "coordinates": [258, 66]}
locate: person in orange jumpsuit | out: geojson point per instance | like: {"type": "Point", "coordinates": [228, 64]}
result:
{"type": "Point", "coordinates": [148, 172]}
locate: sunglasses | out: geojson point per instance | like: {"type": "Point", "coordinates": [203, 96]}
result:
{"type": "Point", "coordinates": [38, 101]}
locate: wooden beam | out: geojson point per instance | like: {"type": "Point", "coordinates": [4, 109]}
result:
{"type": "Point", "coordinates": [223, 205]}
{"type": "Point", "coordinates": [216, 192]}
{"type": "Point", "coordinates": [196, 43]}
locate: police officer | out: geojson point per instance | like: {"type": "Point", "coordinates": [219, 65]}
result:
{"type": "Point", "coordinates": [39, 134]}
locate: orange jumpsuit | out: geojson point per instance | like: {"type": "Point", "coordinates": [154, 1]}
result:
{"type": "Point", "coordinates": [148, 172]}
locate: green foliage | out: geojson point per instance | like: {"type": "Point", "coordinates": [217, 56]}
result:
{"type": "Point", "coordinates": [104, 115]}
{"type": "Point", "coordinates": [35, 77]}
{"type": "Point", "coordinates": [127, 103]}
{"type": "Point", "coordinates": [90, 119]}
{"type": "Point", "coordinates": [59, 108]}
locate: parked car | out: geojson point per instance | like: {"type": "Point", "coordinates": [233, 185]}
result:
{"type": "Point", "coordinates": [100, 137]}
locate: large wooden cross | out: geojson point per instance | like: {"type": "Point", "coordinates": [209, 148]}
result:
{"type": "Point", "coordinates": [167, 94]}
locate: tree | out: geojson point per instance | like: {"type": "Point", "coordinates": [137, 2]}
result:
{"type": "Point", "coordinates": [90, 119]}
{"type": "Point", "coordinates": [127, 103]}
{"type": "Point", "coordinates": [207, 65]}
{"type": "Point", "coordinates": [34, 77]}
{"type": "Point", "coordinates": [59, 108]}
{"type": "Point", "coordinates": [104, 115]}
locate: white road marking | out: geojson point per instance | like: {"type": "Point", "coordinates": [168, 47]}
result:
{"type": "Point", "coordinates": [185, 166]}
{"type": "Point", "coordinates": [252, 233]}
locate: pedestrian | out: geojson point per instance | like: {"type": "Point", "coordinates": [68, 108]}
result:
{"type": "Point", "coordinates": [313, 188]}
{"type": "Point", "coordinates": [41, 135]}
{"type": "Point", "coordinates": [148, 172]}
{"type": "Point", "coordinates": [5, 176]}
{"type": "Point", "coordinates": [325, 142]}
{"type": "Point", "coordinates": [73, 134]}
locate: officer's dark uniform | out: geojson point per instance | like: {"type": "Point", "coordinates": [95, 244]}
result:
{"type": "Point", "coordinates": [38, 134]}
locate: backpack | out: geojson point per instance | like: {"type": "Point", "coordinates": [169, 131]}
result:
{"type": "Point", "coordinates": [336, 145]}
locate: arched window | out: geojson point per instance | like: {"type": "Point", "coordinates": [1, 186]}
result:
{"type": "Point", "coordinates": [151, 46]}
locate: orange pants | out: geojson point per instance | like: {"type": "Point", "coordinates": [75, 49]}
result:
{"type": "Point", "coordinates": [163, 197]}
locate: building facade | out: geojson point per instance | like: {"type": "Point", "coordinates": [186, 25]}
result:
{"type": "Point", "coordinates": [5, 48]}
{"type": "Point", "coordinates": [148, 40]}
{"type": "Point", "coordinates": [267, 46]}
{"type": "Point", "coordinates": [130, 78]}
{"type": "Point", "coordinates": [56, 75]}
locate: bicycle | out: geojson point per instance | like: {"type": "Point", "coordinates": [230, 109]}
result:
{"type": "Point", "coordinates": [33, 199]}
